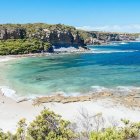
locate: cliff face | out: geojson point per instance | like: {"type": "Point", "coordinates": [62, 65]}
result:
{"type": "Point", "coordinates": [12, 33]}
{"type": "Point", "coordinates": [104, 37]}
{"type": "Point", "coordinates": [63, 38]}
{"type": "Point", "coordinates": [58, 37]}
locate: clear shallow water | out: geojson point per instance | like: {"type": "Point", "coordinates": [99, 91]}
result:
{"type": "Point", "coordinates": [109, 66]}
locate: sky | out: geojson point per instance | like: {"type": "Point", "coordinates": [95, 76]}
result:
{"type": "Point", "coordinates": [104, 15]}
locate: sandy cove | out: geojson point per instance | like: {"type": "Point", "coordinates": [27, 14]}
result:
{"type": "Point", "coordinates": [11, 111]}
{"type": "Point", "coordinates": [69, 108]}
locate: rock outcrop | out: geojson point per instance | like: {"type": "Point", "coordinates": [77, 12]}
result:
{"type": "Point", "coordinates": [63, 38]}
{"type": "Point", "coordinates": [58, 36]}
{"type": "Point", "coordinates": [97, 38]}
{"type": "Point", "coordinates": [18, 33]}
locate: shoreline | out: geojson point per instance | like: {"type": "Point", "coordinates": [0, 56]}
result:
{"type": "Point", "coordinates": [106, 103]}
{"type": "Point", "coordinates": [130, 101]}
{"type": "Point", "coordinates": [120, 91]}
{"type": "Point", "coordinates": [111, 110]}
{"type": "Point", "coordinates": [5, 58]}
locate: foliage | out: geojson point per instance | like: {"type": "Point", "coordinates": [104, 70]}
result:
{"type": "Point", "coordinates": [130, 130]}
{"type": "Point", "coordinates": [41, 32]}
{"type": "Point", "coordinates": [3, 136]}
{"type": "Point", "coordinates": [48, 126]}
{"type": "Point", "coordinates": [21, 131]}
{"type": "Point", "coordinates": [32, 38]}
{"type": "Point", "coordinates": [32, 28]}
{"type": "Point", "coordinates": [23, 46]}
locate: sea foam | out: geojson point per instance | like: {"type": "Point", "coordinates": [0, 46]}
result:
{"type": "Point", "coordinates": [118, 90]}
{"type": "Point", "coordinates": [6, 91]}
{"type": "Point", "coordinates": [112, 51]}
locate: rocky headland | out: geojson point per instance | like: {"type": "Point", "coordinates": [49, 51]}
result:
{"type": "Point", "coordinates": [39, 37]}
{"type": "Point", "coordinates": [99, 38]}
{"type": "Point", "coordinates": [56, 36]}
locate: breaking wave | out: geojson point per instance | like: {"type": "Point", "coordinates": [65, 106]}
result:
{"type": "Point", "coordinates": [112, 51]}
{"type": "Point", "coordinates": [119, 90]}
{"type": "Point", "coordinates": [6, 91]}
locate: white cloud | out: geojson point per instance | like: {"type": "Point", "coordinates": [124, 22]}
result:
{"type": "Point", "coordinates": [134, 28]}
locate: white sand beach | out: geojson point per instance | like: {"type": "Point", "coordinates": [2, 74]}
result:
{"type": "Point", "coordinates": [11, 111]}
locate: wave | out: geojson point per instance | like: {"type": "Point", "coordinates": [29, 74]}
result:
{"type": "Point", "coordinates": [10, 93]}
{"type": "Point", "coordinates": [123, 90]}
{"type": "Point", "coordinates": [6, 91]}
{"type": "Point", "coordinates": [123, 43]}
{"type": "Point", "coordinates": [118, 90]}
{"type": "Point", "coordinates": [112, 51]}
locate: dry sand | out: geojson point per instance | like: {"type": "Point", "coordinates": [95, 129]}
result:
{"type": "Point", "coordinates": [11, 111]}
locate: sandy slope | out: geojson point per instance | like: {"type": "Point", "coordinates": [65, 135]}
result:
{"type": "Point", "coordinates": [11, 112]}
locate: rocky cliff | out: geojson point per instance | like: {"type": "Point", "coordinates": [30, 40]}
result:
{"type": "Point", "coordinates": [57, 35]}
{"type": "Point", "coordinates": [106, 37]}
{"type": "Point", "coordinates": [40, 37]}
{"type": "Point", "coordinates": [17, 33]}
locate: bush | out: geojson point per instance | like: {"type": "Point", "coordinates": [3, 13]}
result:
{"type": "Point", "coordinates": [50, 126]}
{"type": "Point", "coordinates": [130, 130]}
{"type": "Point", "coordinates": [24, 46]}
{"type": "Point", "coordinates": [46, 126]}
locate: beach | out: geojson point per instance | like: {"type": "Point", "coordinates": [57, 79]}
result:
{"type": "Point", "coordinates": [11, 111]}
{"type": "Point", "coordinates": [112, 108]}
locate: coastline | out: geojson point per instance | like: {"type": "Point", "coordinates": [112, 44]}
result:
{"type": "Point", "coordinates": [12, 112]}
{"type": "Point", "coordinates": [97, 92]}
{"type": "Point", "coordinates": [10, 92]}
{"type": "Point", "coordinates": [5, 58]}
{"type": "Point", "coordinates": [60, 52]}
{"type": "Point", "coordinates": [111, 106]}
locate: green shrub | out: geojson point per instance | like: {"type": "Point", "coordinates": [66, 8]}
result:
{"type": "Point", "coordinates": [49, 126]}
{"type": "Point", "coordinates": [130, 130]}
{"type": "Point", "coordinates": [25, 46]}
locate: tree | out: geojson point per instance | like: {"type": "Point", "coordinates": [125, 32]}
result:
{"type": "Point", "coordinates": [49, 126]}
{"type": "Point", "coordinates": [24, 46]}
{"type": "Point", "coordinates": [21, 131]}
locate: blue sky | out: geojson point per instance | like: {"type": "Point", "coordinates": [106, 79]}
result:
{"type": "Point", "coordinates": [112, 15]}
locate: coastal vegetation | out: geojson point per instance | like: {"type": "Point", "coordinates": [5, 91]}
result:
{"type": "Point", "coordinates": [23, 46]}
{"type": "Point", "coordinates": [50, 126]}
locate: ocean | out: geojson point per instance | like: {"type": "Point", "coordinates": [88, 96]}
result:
{"type": "Point", "coordinates": [114, 67]}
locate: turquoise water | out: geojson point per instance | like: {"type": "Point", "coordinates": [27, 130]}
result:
{"type": "Point", "coordinates": [109, 66]}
